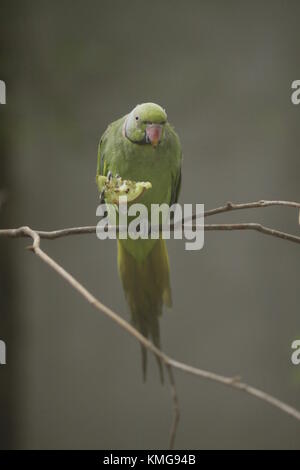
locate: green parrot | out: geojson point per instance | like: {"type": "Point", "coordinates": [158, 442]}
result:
{"type": "Point", "coordinates": [143, 146]}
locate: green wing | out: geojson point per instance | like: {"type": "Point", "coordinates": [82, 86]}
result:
{"type": "Point", "coordinates": [175, 149]}
{"type": "Point", "coordinates": [102, 167]}
{"type": "Point", "coordinates": [176, 189]}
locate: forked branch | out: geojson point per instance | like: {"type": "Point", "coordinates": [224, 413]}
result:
{"type": "Point", "coordinates": [170, 363]}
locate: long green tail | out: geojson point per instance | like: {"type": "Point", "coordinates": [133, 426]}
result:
{"type": "Point", "coordinates": [146, 285]}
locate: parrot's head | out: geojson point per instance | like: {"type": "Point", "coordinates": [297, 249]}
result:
{"type": "Point", "coordinates": [146, 124]}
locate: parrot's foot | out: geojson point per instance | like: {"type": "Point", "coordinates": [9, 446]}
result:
{"type": "Point", "coordinates": [112, 188]}
{"type": "Point", "coordinates": [102, 196]}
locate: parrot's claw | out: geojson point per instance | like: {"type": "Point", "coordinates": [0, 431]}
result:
{"type": "Point", "coordinates": [102, 196]}
{"type": "Point", "coordinates": [109, 179]}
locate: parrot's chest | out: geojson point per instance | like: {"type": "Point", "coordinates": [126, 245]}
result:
{"type": "Point", "coordinates": [146, 163]}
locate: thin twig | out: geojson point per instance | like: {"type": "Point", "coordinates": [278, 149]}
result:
{"type": "Point", "coordinates": [176, 408]}
{"type": "Point", "coordinates": [230, 206]}
{"type": "Point", "coordinates": [234, 382]}
{"type": "Point", "coordinates": [256, 227]}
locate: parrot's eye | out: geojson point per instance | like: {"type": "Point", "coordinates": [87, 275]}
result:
{"type": "Point", "coordinates": [137, 118]}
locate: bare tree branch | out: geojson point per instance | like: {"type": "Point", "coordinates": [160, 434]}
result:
{"type": "Point", "coordinates": [53, 234]}
{"type": "Point", "coordinates": [170, 363]}
{"type": "Point", "coordinates": [65, 232]}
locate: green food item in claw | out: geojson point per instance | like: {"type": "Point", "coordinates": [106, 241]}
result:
{"type": "Point", "coordinates": [115, 187]}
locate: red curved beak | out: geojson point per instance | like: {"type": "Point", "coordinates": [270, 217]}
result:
{"type": "Point", "coordinates": [153, 133]}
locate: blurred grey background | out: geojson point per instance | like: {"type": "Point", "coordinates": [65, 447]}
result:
{"type": "Point", "coordinates": [223, 71]}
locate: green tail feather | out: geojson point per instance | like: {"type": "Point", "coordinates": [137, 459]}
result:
{"type": "Point", "coordinates": [146, 285]}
